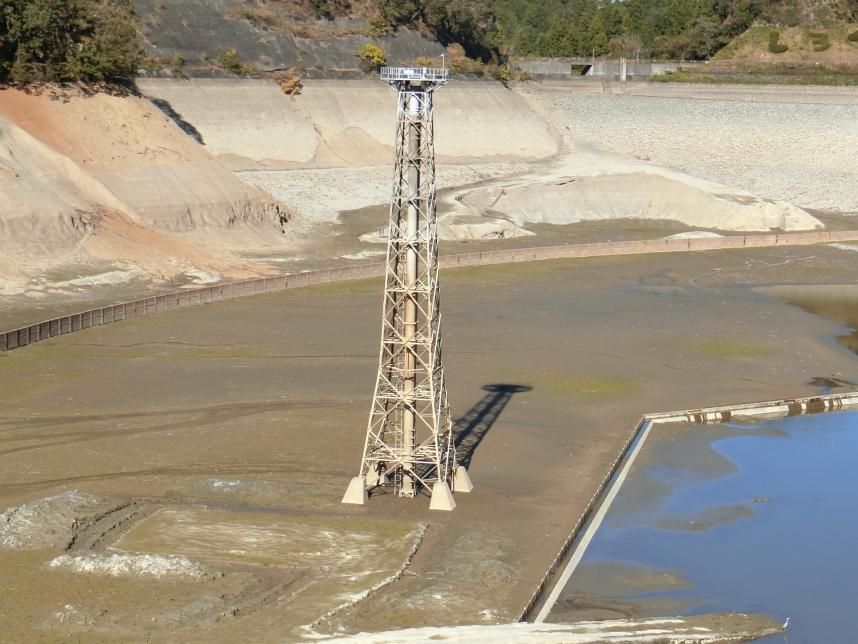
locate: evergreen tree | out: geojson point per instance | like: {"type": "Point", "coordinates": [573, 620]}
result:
{"type": "Point", "coordinates": [597, 35]}
{"type": "Point", "coordinates": [558, 40]}
{"type": "Point", "coordinates": [617, 19]}
{"type": "Point", "coordinates": [62, 40]}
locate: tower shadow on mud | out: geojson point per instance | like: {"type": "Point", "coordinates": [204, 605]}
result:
{"type": "Point", "coordinates": [470, 429]}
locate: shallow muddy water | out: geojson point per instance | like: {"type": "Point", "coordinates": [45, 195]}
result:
{"type": "Point", "coordinates": [753, 518]}
{"type": "Point", "coordinates": [835, 301]}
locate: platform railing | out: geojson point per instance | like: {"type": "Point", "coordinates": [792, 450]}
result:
{"type": "Point", "coordinates": [433, 74]}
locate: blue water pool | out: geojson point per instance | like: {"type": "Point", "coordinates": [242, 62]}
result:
{"type": "Point", "coordinates": [752, 518]}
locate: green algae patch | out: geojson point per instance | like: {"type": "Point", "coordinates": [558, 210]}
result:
{"type": "Point", "coordinates": [26, 370]}
{"type": "Point", "coordinates": [734, 349]}
{"type": "Point", "coordinates": [595, 386]}
{"type": "Point", "coordinates": [157, 349]}
{"type": "Point", "coordinates": [617, 579]}
{"type": "Point", "coordinates": [585, 386]}
{"type": "Point", "coordinates": [705, 519]}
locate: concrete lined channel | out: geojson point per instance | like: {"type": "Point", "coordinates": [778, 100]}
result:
{"type": "Point", "coordinates": [544, 602]}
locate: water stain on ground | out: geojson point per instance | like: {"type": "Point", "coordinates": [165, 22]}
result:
{"type": "Point", "coordinates": [678, 455]}
{"type": "Point", "coordinates": [354, 545]}
{"type": "Point", "coordinates": [610, 590]}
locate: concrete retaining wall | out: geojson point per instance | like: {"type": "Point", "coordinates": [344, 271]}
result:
{"type": "Point", "coordinates": [604, 69]}
{"type": "Point", "coordinates": [200, 30]}
{"type": "Point", "coordinates": [251, 123]}
{"type": "Point", "coordinates": [63, 325]}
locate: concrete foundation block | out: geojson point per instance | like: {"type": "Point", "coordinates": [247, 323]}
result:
{"type": "Point", "coordinates": [461, 480]}
{"type": "Point", "coordinates": [356, 492]}
{"type": "Point", "coordinates": [442, 497]}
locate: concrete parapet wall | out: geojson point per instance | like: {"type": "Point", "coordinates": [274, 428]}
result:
{"type": "Point", "coordinates": [63, 325]}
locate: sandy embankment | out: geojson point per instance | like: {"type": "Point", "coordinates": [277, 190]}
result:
{"type": "Point", "coordinates": [108, 189]}
{"type": "Point", "coordinates": [340, 139]}
{"type": "Point", "coordinates": [251, 124]}
{"type": "Point", "coordinates": [587, 184]}
{"type": "Point", "coordinates": [724, 160]}
{"type": "Point", "coordinates": [103, 184]}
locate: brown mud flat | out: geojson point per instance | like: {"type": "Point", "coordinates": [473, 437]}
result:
{"type": "Point", "coordinates": [251, 413]}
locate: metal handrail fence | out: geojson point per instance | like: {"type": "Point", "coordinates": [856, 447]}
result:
{"type": "Point", "coordinates": [62, 325]}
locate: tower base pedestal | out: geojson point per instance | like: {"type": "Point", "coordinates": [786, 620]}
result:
{"type": "Point", "coordinates": [442, 497]}
{"type": "Point", "coordinates": [356, 492]}
{"type": "Point", "coordinates": [461, 480]}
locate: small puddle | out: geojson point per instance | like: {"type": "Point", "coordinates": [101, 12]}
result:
{"type": "Point", "coordinates": [750, 518]}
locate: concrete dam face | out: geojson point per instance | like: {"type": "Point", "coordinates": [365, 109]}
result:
{"type": "Point", "coordinates": [336, 123]}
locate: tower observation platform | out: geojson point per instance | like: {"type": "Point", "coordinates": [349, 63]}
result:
{"type": "Point", "coordinates": [435, 75]}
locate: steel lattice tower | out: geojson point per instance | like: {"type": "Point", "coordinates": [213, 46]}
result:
{"type": "Point", "coordinates": [409, 444]}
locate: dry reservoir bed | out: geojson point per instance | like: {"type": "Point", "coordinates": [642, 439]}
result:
{"type": "Point", "coordinates": [179, 476]}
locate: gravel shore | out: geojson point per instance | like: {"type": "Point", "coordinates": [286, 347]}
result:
{"type": "Point", "coordinates": [803, 151]}
{"type": "Point", "coordinates": [319, 195]}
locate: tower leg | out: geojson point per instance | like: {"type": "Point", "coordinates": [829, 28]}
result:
{"type": "Point", "coordinates": [356, 491]}
{"type": "Point", "coordinates": [442, 497]}
{"type": "Point", "coordinates": [461, 480]}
